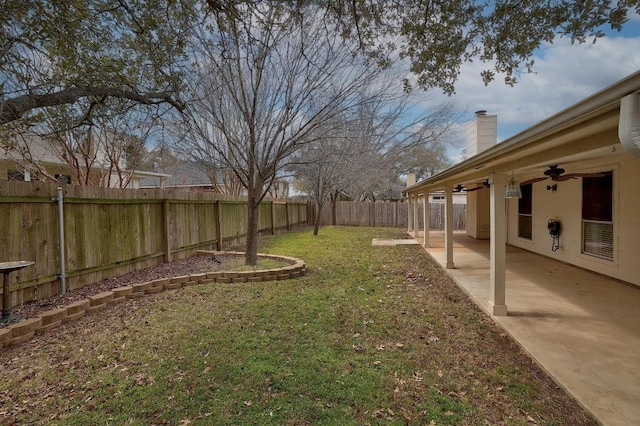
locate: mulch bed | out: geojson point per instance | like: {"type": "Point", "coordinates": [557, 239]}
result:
{"type": "Point", "coordinates": [200, 263]}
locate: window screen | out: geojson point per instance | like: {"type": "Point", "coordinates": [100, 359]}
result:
{"type": "Point", "coordinates": [597, 215]}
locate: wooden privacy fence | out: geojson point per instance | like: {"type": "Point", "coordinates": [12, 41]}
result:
{"type": "Point", "coordinates": [436, 216]}
{"type": "Point", "coordinates": [365, 213]}
{"type": "Point", "coordinates": [108, 232]}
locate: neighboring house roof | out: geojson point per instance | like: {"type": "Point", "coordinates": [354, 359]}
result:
{"type": "Point", "coordinates": [392, 194]}
{"type": "Point", "coordinates": [179, 175]}
{"type": "Point", "coordinates": [187, 175]}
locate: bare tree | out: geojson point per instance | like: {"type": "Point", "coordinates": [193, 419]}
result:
{"type": "Point", "coordinates": [124, 152]}
{"type": "Point", "coordinates": [101, 146]}
{"type": "Point", "coordinates": [322, 168]}
{"type": "Point", "coordinates": [267, 83]}
{"type": "Point", "coordinates": [388, 135]}
{"type": "Point", "coordinates": [370, 147]}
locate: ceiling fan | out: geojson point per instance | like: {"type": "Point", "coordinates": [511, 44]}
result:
{"type": "Point", "coordinates": [556, 174]}
{"type": "Point", "coordinates": [460, 188]}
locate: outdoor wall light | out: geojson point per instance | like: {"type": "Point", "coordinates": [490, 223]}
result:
{"type": "Point", "coordinates": [552, 188]}
{"type": "Point", "coordinates": [513, 188]}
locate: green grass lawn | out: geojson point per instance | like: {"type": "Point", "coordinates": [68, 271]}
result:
{"type": "Point", "coordinates": [372, 335]}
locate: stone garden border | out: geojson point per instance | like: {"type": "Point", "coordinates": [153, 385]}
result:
{"type": "Point", "coordinates": [23, 331]}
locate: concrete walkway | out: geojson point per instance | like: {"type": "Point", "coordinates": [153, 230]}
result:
{"type": "Point", "coordinates": [582, 328]}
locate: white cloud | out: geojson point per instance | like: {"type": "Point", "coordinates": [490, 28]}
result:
{"type": "Point", "coordinates": [564, 74]}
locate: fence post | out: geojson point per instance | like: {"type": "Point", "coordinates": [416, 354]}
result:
{"type": "Point", "coordinates": [310, 213]}
{"type": "Point", "coordinates": [165, 230]}
{"type": "Point", "coordinates": [286, 213]}
{"type": "Point", "coordinates": [61, 243]}
{"type": "Point", "coordinates": [373, 207]}
{"type": "Point", "coordinates": [273, 218]}
{"type": "Point", "coordinates": [218, 226]}
{"type": "Point", "coordinates": [395, 218]}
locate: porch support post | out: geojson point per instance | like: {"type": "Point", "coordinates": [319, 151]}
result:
{"type": "Point", "coordinates": [497, 259]}
{"type": "Point", "coordinates": [410, 212]}
{"type": "Point", "coordinates": [448, 225]}
{"type": "Point", "coordinates": [416, 216]}
{"type": "Point", "coordinates": [425, 213]}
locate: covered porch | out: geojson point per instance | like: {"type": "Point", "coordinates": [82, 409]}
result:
{"type": "Point", "coordinates": [581, 327]}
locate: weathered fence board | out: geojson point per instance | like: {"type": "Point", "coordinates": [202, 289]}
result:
{"type": "Point", "coordinates": [364, 213]}
{"type": "Point", "coordinates": [109, 232]}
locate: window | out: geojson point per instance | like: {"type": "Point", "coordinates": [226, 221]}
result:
{"type": "Point", "coordinates": [15, 175]}
{"type": "Point", "coordinates": [597, 215]}
{"type": "Point", "coordinates": [525, 212]}
{"type": "Point", "coordinates": [63, 178]}
{"type": "Point", "coordinates": [21, 176]}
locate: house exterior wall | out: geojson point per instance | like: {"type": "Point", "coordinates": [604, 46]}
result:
{"type": "Point", "coordinates": [9, 165]}
{"type": "Point", "coordinates": [5, 166]}
{"type": "Point", "coordinates": [472, 214]}
{"type": "Point", "coordinates": [53, 169]}
{"type": "Point", "coordinates": [478, 214]}
{"type": "Point", "coordinates": [628, 223]}
{"type": "Point", "coordinates": [565, 205]}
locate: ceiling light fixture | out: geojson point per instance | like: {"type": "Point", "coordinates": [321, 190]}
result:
{"type": "Point", "coordinates": [513, 188]}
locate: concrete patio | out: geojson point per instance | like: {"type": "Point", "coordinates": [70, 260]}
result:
{"type": "Point", "coordinates": [581, 327]}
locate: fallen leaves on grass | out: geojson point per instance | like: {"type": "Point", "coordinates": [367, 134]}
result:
{"type": "Point", "coordinates": [437, 359]}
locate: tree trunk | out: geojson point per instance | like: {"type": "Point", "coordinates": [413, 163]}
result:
{"type": "Point", "coordinates": [316, 225]}
{"type": "Point", "coordinates": [334, 212]}
{"type": "Point", "coordinates": [251, 255]}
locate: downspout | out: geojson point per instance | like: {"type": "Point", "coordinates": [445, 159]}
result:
{"type": "Point", "coordinates": [62, 275]}
{"type": "Point", "coordinates": [629, 126]}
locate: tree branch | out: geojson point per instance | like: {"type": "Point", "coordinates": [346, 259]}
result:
{"type": "Point", "coordinates": [13, 109]}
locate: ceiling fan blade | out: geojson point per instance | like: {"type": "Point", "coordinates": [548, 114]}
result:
{"type": "Point", "coordinates": [562, 178]}
{"type": "Point", "coordinates": [477, 188]}
{"type": "Point", "coordinates": [534, 180]}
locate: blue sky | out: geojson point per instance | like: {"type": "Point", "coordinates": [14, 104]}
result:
{"type": "Point", "coordinates": [563, 75]}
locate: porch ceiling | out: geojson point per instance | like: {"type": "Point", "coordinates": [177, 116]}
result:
{"type": "Point", "coordinates": [571, 148]}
